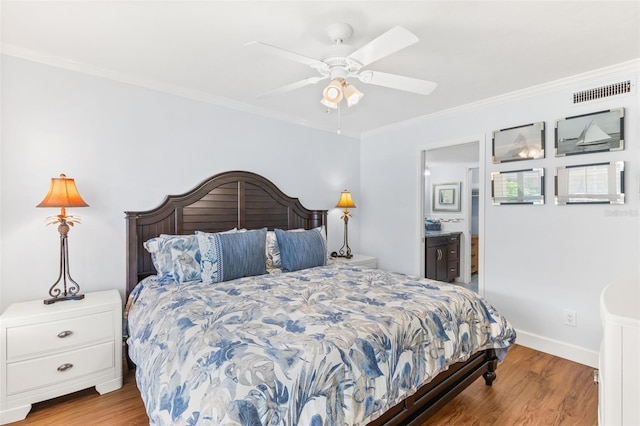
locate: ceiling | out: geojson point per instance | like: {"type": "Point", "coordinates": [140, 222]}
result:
{"type": "Point", "coordinates": [474, 50]}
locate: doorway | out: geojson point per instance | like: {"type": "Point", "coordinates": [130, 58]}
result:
{"type": "Point", "coordinates": [457, 163]}
{"type": "Point", "coordinates": [474, 226]}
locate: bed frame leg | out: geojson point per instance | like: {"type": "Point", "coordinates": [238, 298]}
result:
{"type": "Point", "coordinates": [490, 374]}
{"type": "Point", "coordinates": [489, 377]}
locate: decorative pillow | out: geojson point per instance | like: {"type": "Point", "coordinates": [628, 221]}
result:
{"type": "Point", "coordinates": [175, 257]}
{"type": "Point", "coordinates": [229, 256]}
{"type": "Point", "coordinates": [302, 249]}
{"type": "Point", "coordinates": [273, 250]}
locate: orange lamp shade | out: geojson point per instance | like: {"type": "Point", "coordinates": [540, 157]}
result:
{"type": "Point", "coordinates": [63, 193]}
{"type": "Point", "coordinates": [345, 200]}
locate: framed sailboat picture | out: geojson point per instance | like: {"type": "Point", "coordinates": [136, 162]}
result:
{"type": "Point", "coordinates": [518, 143]}
{"type": "Point", "coordinates": [587, 133]}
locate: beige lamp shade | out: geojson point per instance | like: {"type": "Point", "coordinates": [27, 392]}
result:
{"type": "Point", "coordinates": [352, 94]}
{"type": "Point", "coordinates": [63, 193]}
{"type": "Point", "coordinates": [333, 92]}
{"type": "Point", "coordinates": [345, 201]}
{"type": "Point", "coordinates": [329, 104]}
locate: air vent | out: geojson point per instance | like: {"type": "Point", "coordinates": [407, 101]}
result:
{"type": "Point", "coordinates": [602, 92]}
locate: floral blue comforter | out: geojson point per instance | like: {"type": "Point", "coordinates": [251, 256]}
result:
{"type": "Point", "coordinates": [332, 345]}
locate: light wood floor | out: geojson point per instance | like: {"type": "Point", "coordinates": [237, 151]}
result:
{"type": "Point", "coordinates": [532, 388]}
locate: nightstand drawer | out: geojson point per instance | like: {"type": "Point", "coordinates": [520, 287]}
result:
{"type": "Point", "coordinates": [57, 335]}
{"type": "Point", "coordinates": [37, 373]}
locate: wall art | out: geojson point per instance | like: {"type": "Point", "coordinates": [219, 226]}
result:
{"type": "Point", "coordinates": [518, 143]}
{"type": "Point", "coordinates": [518, 187]}
{"type": "Point", "coordinates": [595, 132]}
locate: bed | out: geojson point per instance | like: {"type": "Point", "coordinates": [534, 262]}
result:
{"type": "Point", "coordinates": [318, 344]}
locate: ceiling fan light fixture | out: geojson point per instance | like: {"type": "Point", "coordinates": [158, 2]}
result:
{"type": "Point", "coordinates": [329, 104]}
{"type": "Point", "coordinates": [352, 94]}
{"type": "Point", "coordinates": [333, 92]}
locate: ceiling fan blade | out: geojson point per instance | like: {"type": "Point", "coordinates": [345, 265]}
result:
{"type": "Point", "coordinates": [394, 81]}
{"type": "Point", "coordinates": [294, 86]}
{"type": "Point", "coordinates": [397, 38]}
{"type": "Point", "coordinates": [286, 54]}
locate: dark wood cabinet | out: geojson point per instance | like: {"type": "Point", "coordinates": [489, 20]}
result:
{"type": "Point", "coordinates": [442, 254]}
{"type": "Point", "coordinates": [437, 266]}
{"type": "Point", "coordinates": [474, 254]}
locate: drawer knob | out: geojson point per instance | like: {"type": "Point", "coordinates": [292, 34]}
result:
{"type": "Point", "coordinates": [65, 367]}
{"type": "Point", "coordinates": [65, 333]}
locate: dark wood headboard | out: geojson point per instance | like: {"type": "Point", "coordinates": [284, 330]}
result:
{"type": "Point", "coordinates": [232, 199]}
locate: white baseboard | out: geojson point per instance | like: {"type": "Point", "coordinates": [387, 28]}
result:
{"type": "Point", "coordinates": [557, 348]}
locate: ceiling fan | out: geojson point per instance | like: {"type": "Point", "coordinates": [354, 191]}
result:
{"type": "Point", "coordinates": [339, 68]}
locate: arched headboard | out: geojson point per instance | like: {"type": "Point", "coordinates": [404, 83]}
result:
{"type": "Point", "coordinates": [232, 199]}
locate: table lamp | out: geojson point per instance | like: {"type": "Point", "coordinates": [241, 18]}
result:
{"type": "Point", "coordinates": [345, 202]}
{"type": "Point", "coordinates": [63, 193]}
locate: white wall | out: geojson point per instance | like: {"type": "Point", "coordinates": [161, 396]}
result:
{"type": "Point", "coordinates": [128, 147]}
{"type": "Point", "coordinates": [536, 260]}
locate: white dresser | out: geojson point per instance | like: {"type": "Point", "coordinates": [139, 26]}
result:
{"type": "Point", "coordinates": [619, 375]}
{"type": "Point", "coordinates": [52, 350]}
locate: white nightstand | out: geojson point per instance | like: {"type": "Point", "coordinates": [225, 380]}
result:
{"type": "Point", "coordinates": [52, 350]}
{"type": "Point", "coordinates": [359, 260]}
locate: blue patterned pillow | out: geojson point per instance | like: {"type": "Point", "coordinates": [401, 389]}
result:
{"type": "Point", "coordinates": [175, 257]}
{"type": "Point", "coordinates": [229, 256]}
{"type": "Point", "coordinates": [301, 250]}
{"type": "Point", "coordinates": [273, 250]}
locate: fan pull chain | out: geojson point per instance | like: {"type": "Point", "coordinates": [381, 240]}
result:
{"type": "Point", "coordinates": [339, 122]}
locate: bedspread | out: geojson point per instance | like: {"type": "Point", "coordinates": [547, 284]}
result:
{"type": "Point", "coordinates": [334, 345]}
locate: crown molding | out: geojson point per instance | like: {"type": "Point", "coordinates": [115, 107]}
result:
{"type": "Point", "coordinates": [156, 85]}
{"type": "Point", "coordinates": [629, 67]}
{"type": "Point", "coordinates": [632, 66]}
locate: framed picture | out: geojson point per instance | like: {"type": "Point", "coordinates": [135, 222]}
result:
{"type": "Point", "coordinates": [446, 197]}
{"type": "Point", "coordinates": [518, 187]}
{"type": "Point", "coordinates": [590, 183]}
{"type": "Point", "coordinates": [518, 143]}
{"type": "Point", "coordinates": [595, 132]}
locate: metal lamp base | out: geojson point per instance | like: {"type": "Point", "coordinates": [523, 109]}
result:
{"type": "Point", "coordinates": [71, 291]}
{"type": "Point", "coordinates": [345, 250]}
{"type": "Point", "coordinates": [61, 298]}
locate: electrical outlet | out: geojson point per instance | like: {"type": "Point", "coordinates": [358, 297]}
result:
{"type": "Point", "coordinates": [570, 318]}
